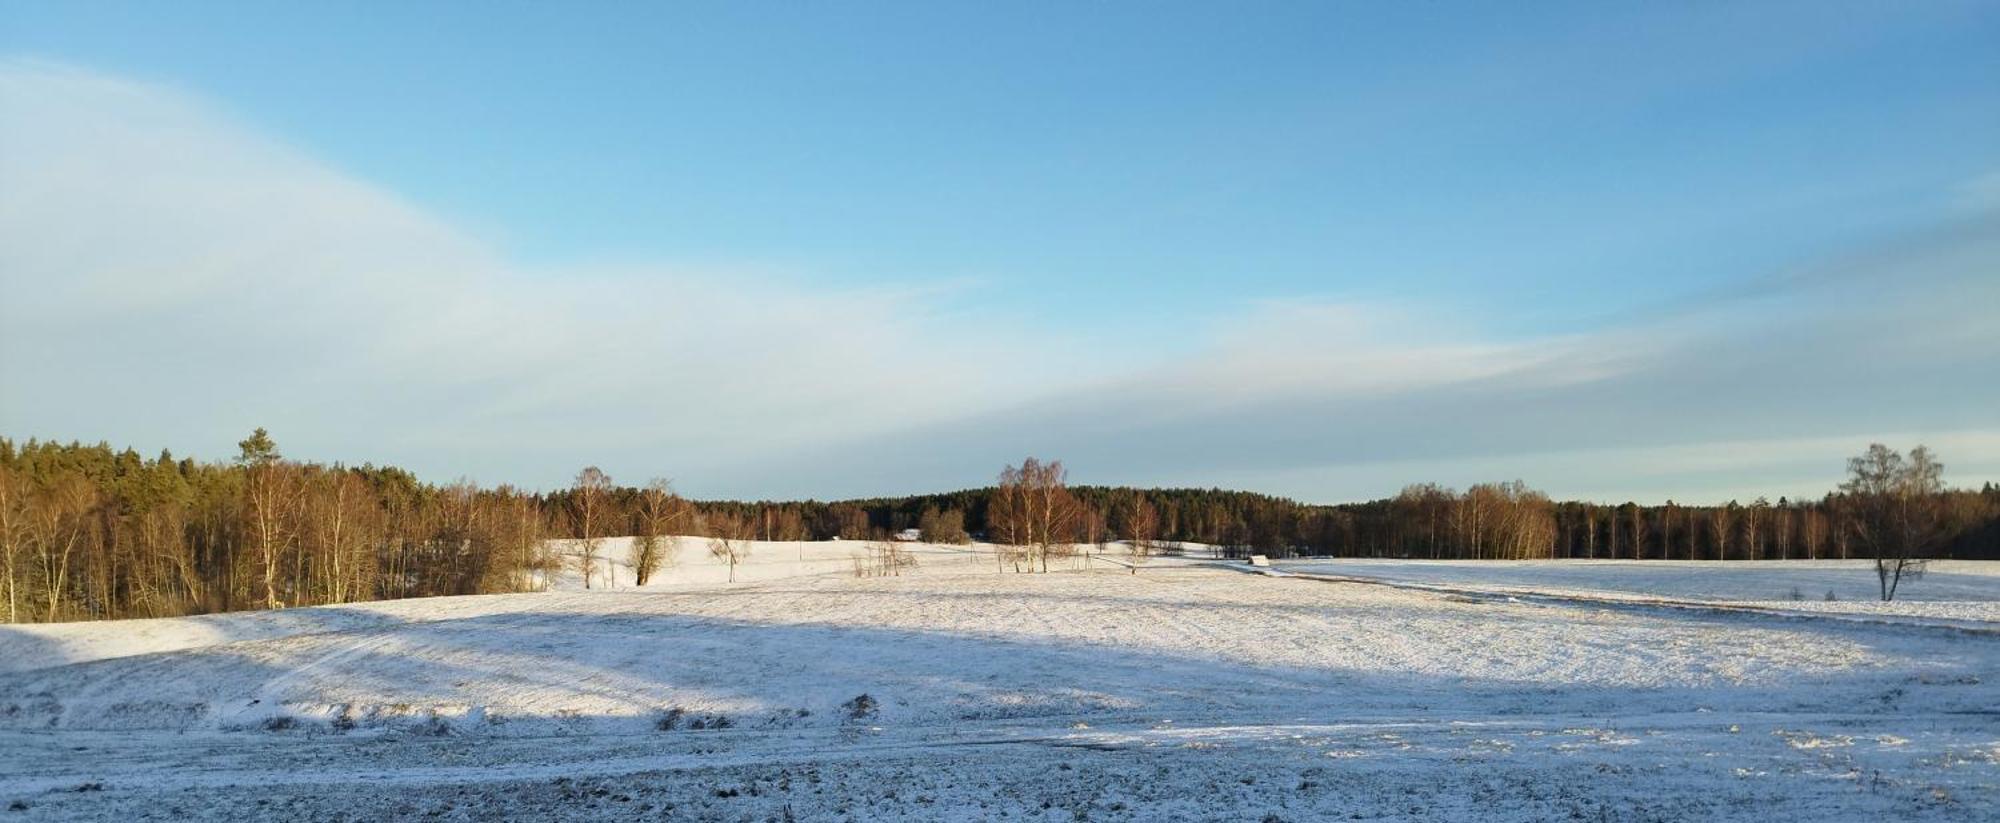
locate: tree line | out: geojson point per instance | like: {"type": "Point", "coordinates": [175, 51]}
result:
{"type": "Point", "coordinates": [1505, 520]}
{"type": "Point", "coordinates": [89, 532]}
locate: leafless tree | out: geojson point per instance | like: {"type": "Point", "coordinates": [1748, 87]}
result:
{"type": "Point", "coordinates": [1753, 527]}
{"type": "Point", "coordinates": [1503, 520]}
{"type": "Point", "coordinates": [1007, 520]}
{"type": "Point", "coordinates": [1091, 528]}
{"type": "Point", "coordinates": [58, 529]}
{"type": "Point", "coordinates": [271, 493]}
{"type": "Point", "coordinates": [1719, 519]}
{"type": "Point", "coordinates": [1899, 510]}
{"type": "Point", "coordinates": [884, 558]}
{"type": "Point", "coordinates": [522, 528]}
{"type": "Point", "coordinates": [1635, 523]}
{"type": "Point", "coordinates": [661, 515]}
{"type": "Point", "coordinates": [1590, 530]}
{"type": "Point", "coordinates": [1426, 507]}
{"type": "Point", "coordinates": [729, 539]}
{"type": "Point", "coordinates": [1812, 532]}
{"type": "Point", "coordinates": [341, 530]}
{"type": "Point", "coordinates": [1142, 527]}
{"type": "Point", "coordinates": [13, 525]}
{"type": "Point", "coordinates": [1052, 512]}
{"type": "Point", "coordinates": [588, 497]}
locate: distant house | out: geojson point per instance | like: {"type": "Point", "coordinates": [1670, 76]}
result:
{"type": "Point", "coordinates": [909, 535]}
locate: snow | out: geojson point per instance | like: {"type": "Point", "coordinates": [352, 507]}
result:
{"type": "Point", "coordinates": [1188, 689]}
{"type": "Point", "coordinates": [1733, 580]}
{"type": "Point", "coordinates": [1950, 592]}
{"type": "Point", "coordinates": [689, 562]}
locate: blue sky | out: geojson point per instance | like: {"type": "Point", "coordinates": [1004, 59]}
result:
{"type": "Point", "coordinates": [1059, 211]}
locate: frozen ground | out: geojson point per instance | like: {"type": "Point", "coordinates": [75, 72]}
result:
{"type": "Point", "coordinates": [955, 692]}
{"type": "Point", "coordinates": [1957, 592]}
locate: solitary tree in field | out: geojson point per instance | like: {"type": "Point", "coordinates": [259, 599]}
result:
{"type": "Point", "coordinates": [661, 514]}
{"type": "Point", "coordinates": [1898, 506]}
{"type": "Point", "coordinates": [729, 539]}
{"type": "Point", "coordinates": [588, 498]}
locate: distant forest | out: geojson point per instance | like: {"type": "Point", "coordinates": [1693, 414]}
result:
{"type": "Point", "coordinates": [92, 532]}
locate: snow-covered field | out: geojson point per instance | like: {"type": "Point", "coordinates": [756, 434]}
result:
{"type": "Point", "coordinates": [1948, 591]}
{"type": "Point", "coordinates": [1187, 690]}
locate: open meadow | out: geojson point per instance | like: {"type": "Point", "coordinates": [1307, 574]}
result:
{"type": "Point", "coordinates": [953, 691]}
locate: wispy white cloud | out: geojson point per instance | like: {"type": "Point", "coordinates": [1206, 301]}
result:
{"type": "Point", "coordinates": [1892, 343]}
{"type": "Point", "coordinates": [173, 277]}
{"type": "Point", "coordinates": [155, 251]}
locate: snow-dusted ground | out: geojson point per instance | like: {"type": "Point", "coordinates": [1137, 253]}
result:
{"type": "Point", "coordinates": [1959, 592]}
{"type": "Point", "coordinates": [689, 562]}
{"type": "Point", "coordinates": [954, 692]}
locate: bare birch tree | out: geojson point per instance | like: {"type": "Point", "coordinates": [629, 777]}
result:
{"type": "Point", "coordinates": [13, 522]}
{"type": "Point", "coordinates": [661, 516]}
{"type": "Point", "coordinates": [1812, 532]}
{"type": "Point", "coordinates": [1007, 520]}
{"type": "Point", "coordinates": [1899, 510]}
{"type": "Point", "coordinates": [270, 492]}
{"type": "Point", "coordinates": [1142, 527]}
{"type": "Point", "coordinates": [1753, 527]}
{"type": "Point", "coordinates": [729, 539]}
{"type": "Point", "coordinates": [588, 499]}
{"type": "Point", "coordinates": [1719, 520]}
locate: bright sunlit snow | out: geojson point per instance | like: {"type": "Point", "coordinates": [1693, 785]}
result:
{"type": "Point", "coordinates": [1193, 688]}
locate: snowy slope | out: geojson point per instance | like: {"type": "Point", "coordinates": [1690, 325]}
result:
{"type": "Point", "coordinates": [957, 692]}
{"type": "Point", "coordinates": [37, 645]}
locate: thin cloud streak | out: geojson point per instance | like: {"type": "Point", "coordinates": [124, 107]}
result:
{"type": "Point", "coordinates": [1904, 346]}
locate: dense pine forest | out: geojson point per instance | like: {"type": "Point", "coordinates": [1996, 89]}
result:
{"type": "Point", "coordinates": [91, 532]}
